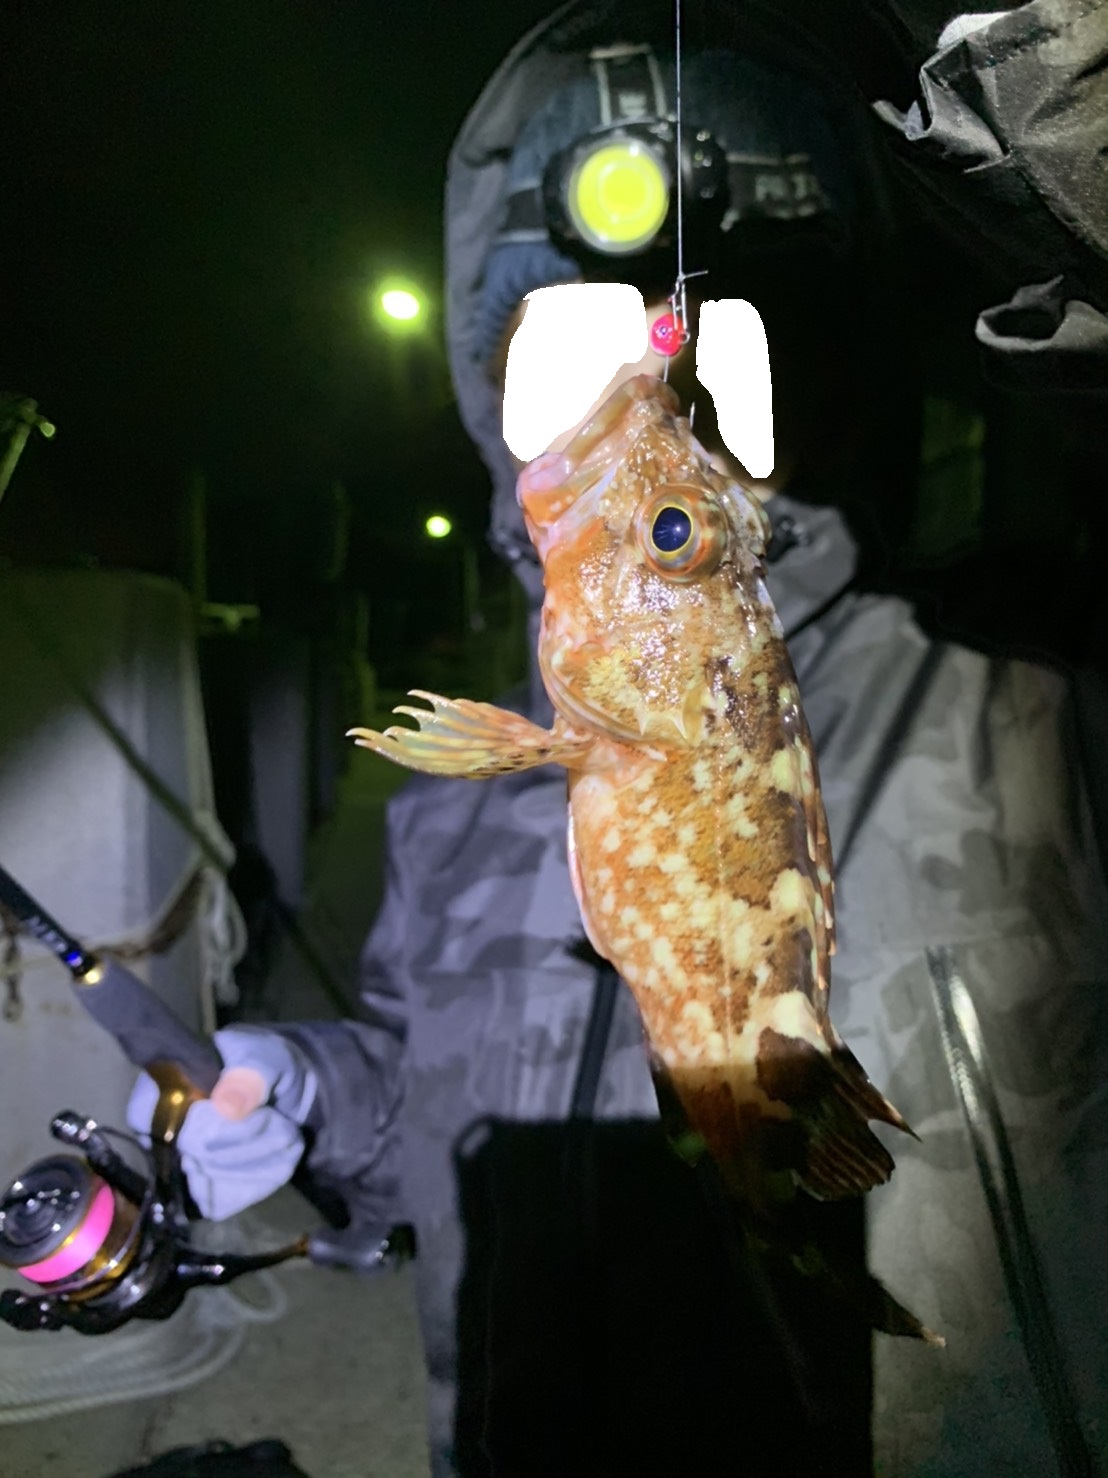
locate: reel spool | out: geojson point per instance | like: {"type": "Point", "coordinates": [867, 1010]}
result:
{"type": "Point", "coordinates": [64, 1228]}
{"type": "Point", "coordinates": [101, 1243]}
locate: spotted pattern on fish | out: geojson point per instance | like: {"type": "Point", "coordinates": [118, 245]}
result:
{"type": "Point", "coordinates": [701, 856]}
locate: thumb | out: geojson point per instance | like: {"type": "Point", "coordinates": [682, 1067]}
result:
{"type": "Point", "coordinates": [239, 1092]}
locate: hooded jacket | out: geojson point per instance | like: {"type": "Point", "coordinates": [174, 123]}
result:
{"type": "Point", "coordinates": [578, 1310]}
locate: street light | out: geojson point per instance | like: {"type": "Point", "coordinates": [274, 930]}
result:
{"type": "Point", "coordinates": [406, 349]}
{"type": "Point", "coordinates": [438, 527]}
{"type": "Point", "coordinates": [398, 306]}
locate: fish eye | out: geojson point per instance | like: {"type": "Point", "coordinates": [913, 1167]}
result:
{"type": "Point", "coordinates": [681, 532]}
{"type": "Point", "coordinates": [671, 530]}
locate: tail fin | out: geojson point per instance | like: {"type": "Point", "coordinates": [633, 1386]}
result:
{"type": "Point", "coordinates": [834, 1155]}
{"type": "Point", "coordinates": [884, 1313]}
{"type": "Point", "coordinates": [826, 1145]}
{"type": "Point", "coordinates": [843, 1157]}
{"type": "Point", "coordinates": [805, 1240]}
{"type": "Point", "coordinates": [855, 1289]}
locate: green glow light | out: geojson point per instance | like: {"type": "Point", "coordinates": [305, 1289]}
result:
{"type": "Point", "coordinates": [401, 304]}
{"type": "Point", "coordinates": [437, 526]}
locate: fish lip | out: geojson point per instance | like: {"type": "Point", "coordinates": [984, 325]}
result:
{"type": "Point", "coordinates": [595, 464]}
{"type": "Point", "coordinates": [542, 473]}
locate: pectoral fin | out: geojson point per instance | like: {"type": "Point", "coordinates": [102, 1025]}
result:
{"type": "Point", "coordinates": [457, 736]}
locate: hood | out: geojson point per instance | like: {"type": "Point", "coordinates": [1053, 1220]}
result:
{"type": "Point", "coordinates": [547, 60]}
{"type": "Point", "coordinates": [996, 148]}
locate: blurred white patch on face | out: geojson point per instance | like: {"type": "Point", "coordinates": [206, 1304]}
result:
{"type": "Point", "coordinates": [732, 363]}
{"type": "Point", "coordinates": [568, 348]}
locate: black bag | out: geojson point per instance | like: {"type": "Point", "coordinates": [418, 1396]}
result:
{"type": "Point", "coordinates": [268, 1458]}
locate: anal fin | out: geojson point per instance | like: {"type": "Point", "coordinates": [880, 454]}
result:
{"type": "Point", "coordinates": [854, 1086]}
{"type": "Point", "coordinates": [843, 1156]}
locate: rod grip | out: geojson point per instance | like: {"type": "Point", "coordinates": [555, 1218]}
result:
{"type": "Point", "coordinates": [146, 1029]}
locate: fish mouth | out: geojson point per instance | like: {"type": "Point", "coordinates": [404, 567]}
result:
{"type": "Point", "coordinates": [553, 484]}
{"type": "Point", "coordinates": [562, 522]}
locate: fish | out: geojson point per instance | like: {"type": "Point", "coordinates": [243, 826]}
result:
{"type": "Point", "coordinates": [697, 839]}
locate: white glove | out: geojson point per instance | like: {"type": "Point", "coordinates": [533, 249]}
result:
{"type": "Point", "coordinates": [244, 1142]}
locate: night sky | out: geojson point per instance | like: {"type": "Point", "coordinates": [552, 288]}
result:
{"type": "Point", "coordinates": [196, 199]}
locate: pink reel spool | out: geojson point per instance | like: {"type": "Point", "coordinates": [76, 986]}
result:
{"type": "Point", "coordinates": [62, 1224]}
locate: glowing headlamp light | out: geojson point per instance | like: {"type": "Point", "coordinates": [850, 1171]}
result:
{"type": "Point", "coordinates": [613, 191]}
{"type": "Point", "coordinates": [617, 196]}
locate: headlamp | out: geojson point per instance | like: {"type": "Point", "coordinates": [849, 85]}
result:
{"type": "Point", "coordinates": [614, 191]}
{"type": "Point", "coordinates": [618, 196]}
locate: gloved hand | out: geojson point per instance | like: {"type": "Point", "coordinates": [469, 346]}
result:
{"type": "Point", "coordinates": [244, 1142]}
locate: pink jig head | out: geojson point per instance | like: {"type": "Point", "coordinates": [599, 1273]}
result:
{"type": "Point", "coordinates": [668, 335]}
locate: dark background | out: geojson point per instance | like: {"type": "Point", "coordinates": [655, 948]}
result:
{"type": "Point", "coordinates": [195, 201]}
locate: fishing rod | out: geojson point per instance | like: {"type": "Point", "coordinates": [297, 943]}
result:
{"type": "Point", "coordinates": [100, 1241]}
{"type": "Point", "coordinates": [146, 1029]}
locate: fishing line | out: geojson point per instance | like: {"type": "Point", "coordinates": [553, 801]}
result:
{"type": "Point", "coordinates": [679, 286]}
{"type": "Point", "coordinates": [678, 300]}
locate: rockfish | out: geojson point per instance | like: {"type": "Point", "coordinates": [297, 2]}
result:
{"type": "Point", "coordinates": [698, 843]}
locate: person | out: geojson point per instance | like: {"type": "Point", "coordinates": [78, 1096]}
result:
{"type": "Point", "coordinates": [580, 1311]}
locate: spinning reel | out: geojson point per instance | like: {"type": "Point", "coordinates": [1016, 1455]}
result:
{"type": "Point", "coordinates": [102, 1241]}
